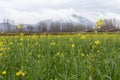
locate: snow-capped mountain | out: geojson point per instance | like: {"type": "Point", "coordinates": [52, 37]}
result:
{"type": "Point", "coordinates": [74, 19]}
{"type": "Point", "coordinates": [82, 20]}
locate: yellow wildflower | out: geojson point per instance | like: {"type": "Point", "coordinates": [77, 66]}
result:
{"type": "Point", "coordinates": [20, 44]}
{"type": "Point", "coordinates": [39, 55]}
{"type": "Point", "coordinates": [56, 79]}
{"type": "Point", "coordinates": [1, 54]}
{"type": "Point", "coordinates": [1, 43]}
{"type": "Point", "coordinates": [18, 26]}
{"type": "Point", "coordinates": [53, 43]}
{"type": "Point", "coordinates": [60, 54]}
{"type": "Point", "coordinates": [79, 34]}
{"type": "Point", "coordinates": [83, 37]}
{"type": "Point", "coordinates": [99, 27]}
{"type": "Point", "coordinates": [21, 39]}
{"type": "Point", "coordinates": [11, 43]}
{"type": "Point", "coordinates": [68, 61]}
{"type": "Point", "coordinates": [93, 47]}
{"type": "Point", "coordinates": [82, 55]}
{"type": "Point", "coordinates": [99, 23]}
{"type": "Point", "coordinates": [73, 45]}
{"type": "Point", "coordinates": [71, 39]}
{"type": "Point", "coordinates": [20, 73]}
{"type": "Point", "coordinates": [97, 42]}
{"type": "Point", "coordinates": [1, 49]}
{"type": "Point", "coordinates": [4, 72]}
{"type": "Point", "coordinates": [98, 51]}
{"type": "Point", "coordinates": [87, 55]}
{"type": "Point", "coordinates": [21, 34]}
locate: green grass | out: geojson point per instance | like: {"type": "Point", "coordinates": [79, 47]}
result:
{"type": "Point", "coordinates": [52, 57]}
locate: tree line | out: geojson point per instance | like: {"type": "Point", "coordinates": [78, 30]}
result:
{"type": "Point", "coordinates": [109, 25]}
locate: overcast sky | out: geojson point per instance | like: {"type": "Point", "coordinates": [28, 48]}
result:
{"type": "Point", "coordinates": [32, 11]}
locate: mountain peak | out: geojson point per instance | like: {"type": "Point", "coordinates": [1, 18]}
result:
{"type": "Point", "coordinates": [83, 20]}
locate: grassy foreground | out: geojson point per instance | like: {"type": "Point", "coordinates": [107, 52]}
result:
{"type": "Point", "coordinates": [60, 57]}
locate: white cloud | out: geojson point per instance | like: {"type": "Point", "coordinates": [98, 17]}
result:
{"type": "Point", "coordinates": [54, 14]}
{"type": "Point", "coordinates": [34, 17]}
{"type": "Point", "coordinates": [32, 11]}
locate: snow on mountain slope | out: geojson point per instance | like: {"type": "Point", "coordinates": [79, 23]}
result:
{"type": "Point", "coordinates": [74, 19]}
{"type": "Point", "coordinates": [83, 20]}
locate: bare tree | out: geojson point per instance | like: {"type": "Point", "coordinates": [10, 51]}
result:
{"type": "Point", "coordinates": [55, 27]}
{"type": "Point", "coordinates": [30, 28]}
{"type": "Point", "coordinates": [109, 25]}
{"type": "Point", "coordinates": [42, 27]}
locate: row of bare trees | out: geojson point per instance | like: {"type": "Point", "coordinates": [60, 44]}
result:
{"type": "Point", "coordinates": [109, 25]}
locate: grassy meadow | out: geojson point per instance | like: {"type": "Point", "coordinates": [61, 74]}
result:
{"type": "Point", "coordinates": [60, 57]}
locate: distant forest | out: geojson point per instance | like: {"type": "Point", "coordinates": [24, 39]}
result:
{"type": "Point", "coordinates": [110, 25]}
